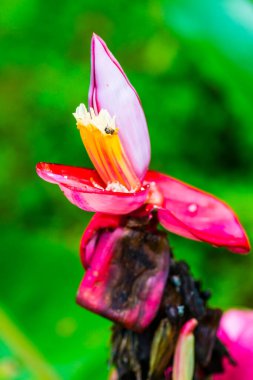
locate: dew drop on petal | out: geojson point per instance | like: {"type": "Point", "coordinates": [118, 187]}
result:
{"type": "Point", "coordinates": [192, 209]}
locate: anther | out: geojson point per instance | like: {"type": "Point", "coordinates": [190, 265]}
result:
{"type": "Point", "coordinates": [109, 130]}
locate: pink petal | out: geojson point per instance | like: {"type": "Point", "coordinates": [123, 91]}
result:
{"type": "Point", "coordinates": [195, 214]}
{"type": "Point", "coordinates": [89, 238]}
{"type": "Point", "coordinates": [236, 332]}
{"type": "Point", "coordinates": [84, 188]}
{"type": "Point", "coordinates": [122, 283]}
{"type": "Point", "coordinates": [237, 326]}
{"type": "Point", "coordinates": [71, 176]}
{"type": "Point", "coordinates": [110, 89]}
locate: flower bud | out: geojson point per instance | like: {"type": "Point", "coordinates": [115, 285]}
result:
{"type": "Point", "coordinates": [183, 365]}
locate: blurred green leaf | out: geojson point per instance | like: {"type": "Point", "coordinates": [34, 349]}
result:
{"type": "Point", "coordinates": [218, 38]}
{"type": "Point", "coordinates": [19, 358]}
{"type": "Point", "coordinates": [40, 290]}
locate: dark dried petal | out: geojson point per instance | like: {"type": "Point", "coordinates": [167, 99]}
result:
{"type": "Point", "coordinates": [126, 276]}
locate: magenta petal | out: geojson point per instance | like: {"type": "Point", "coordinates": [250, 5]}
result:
{"type": "Point", "coordinates": [197, 215]}
{"type": "Point", "coordinates": [71, 176]}
{"type": "Point", "coordinates": [105, 201]}
{"type": "Point", "coordinates": [125, 278]}
{"type": "Point", "coordinates": [236, 333]}
{"type": "Point", "coordinates": [83, 188]}
{"type": "Point", "coordinates": [110, 89]}
{"type": "Point", "coordinates": [89, 238]}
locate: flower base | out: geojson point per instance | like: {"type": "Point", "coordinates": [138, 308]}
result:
{"type": "Point", "coordinates": [163, 328]}
{"type": "Point", "coordinates": [149, 355]}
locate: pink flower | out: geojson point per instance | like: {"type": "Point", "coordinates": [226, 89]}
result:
{"type": "Point", "coordinates": [115, 134]}
{"type": "Point", "coordinates": [236, 333]}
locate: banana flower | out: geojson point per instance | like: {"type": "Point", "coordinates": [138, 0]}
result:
{"type": "Point", "coordinates": [114, 132]}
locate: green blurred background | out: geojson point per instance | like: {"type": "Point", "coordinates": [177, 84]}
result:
{"type": "Point", "coordinates": [192, 65]}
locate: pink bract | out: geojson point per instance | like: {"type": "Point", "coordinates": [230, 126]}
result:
{"type": "Point", "coordinates": [236, 333]}
{"type": "Point", "coordinates": [118, 285]}
{"type": "Point", "coordinates": [88, 241]}
{"type": "Point", "coordinates": [197, 215]}
{"type": "Point", "coordinates": [182, 209]}
{"type": "Point", "coordinates": [84, 188]}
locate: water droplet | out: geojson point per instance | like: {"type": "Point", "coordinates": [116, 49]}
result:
{"type": "Point", "coordinates": [192, 208]}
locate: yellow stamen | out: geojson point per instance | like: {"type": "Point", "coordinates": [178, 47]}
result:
{"type": "Point", "coordinates": [101, 140]}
